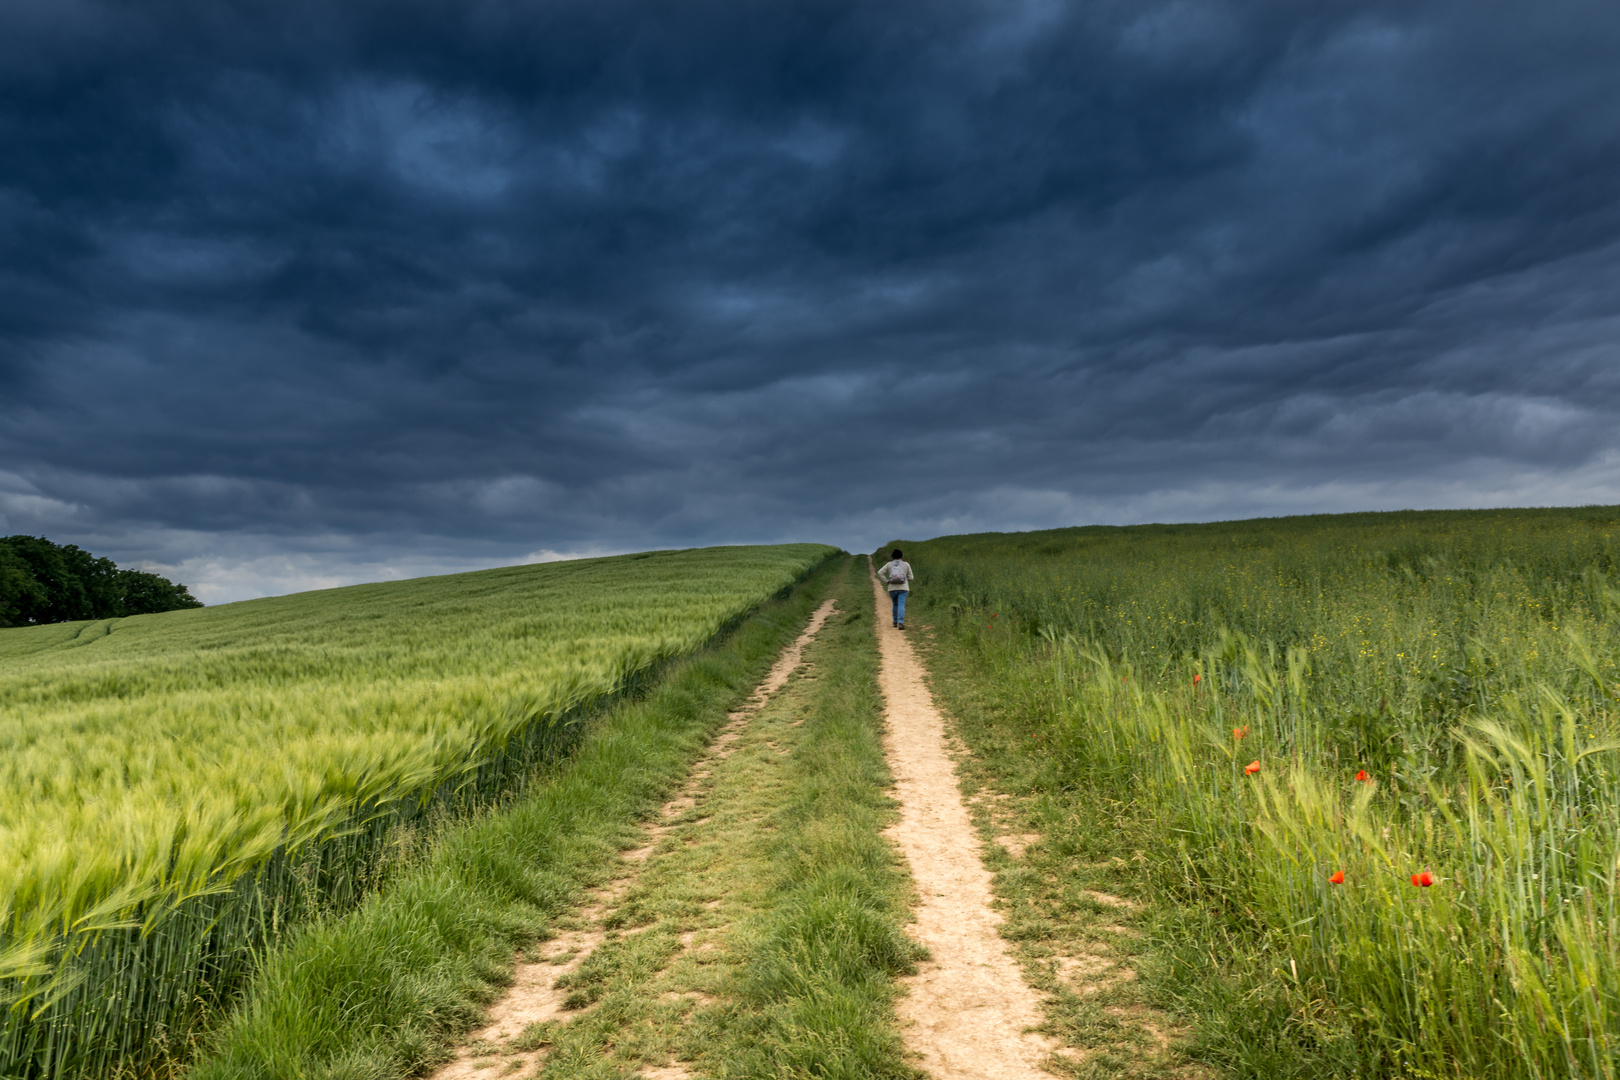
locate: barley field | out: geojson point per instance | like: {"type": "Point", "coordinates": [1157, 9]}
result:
{"type": "Point", "coordinates": [176, 789]}
{"type": "Point", "coordinates": [1375, 758]}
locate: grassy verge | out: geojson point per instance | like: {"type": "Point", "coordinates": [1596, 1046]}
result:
{"type": "Point", "coordinates": [385, 990]}
{"type": "Point", "coordinates": [764, 934]}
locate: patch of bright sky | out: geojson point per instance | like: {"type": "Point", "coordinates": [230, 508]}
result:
{"type": "Point", "coordinates": [449, 146]}
{"type": "Point", "coordinates": [812, 143]}
{"type": "Point", "coordinates": [237, 575]}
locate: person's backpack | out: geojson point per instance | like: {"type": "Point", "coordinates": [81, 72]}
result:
{"type": "Point", "coordinates": [897, 573]}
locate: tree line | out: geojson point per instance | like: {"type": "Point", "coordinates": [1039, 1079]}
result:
{"type": "Point", "coordinates": [45, 582]}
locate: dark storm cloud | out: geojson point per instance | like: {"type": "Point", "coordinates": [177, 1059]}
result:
{"type": "Point", "coordinates": [499, 278]}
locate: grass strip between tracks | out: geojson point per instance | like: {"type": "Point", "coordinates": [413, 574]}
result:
{"type": "Point", "coordinates": [385, 990]}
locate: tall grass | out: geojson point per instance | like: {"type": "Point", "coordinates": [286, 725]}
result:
{"type": "Point", "coordinates": [1230, 682]}
{"type": "Point", "coordinates": [178, 788]}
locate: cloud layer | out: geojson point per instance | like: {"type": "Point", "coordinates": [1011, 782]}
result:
{"type": "Point", "coordinates": [299, 293]}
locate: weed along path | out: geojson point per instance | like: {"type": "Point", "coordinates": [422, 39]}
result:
{"type": "Point", "coordinates": [968, 1010]}
{"type": "Point", "coordinates": [559, 980]}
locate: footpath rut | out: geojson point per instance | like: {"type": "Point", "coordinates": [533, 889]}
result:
{"type": "Point", "coordinates": [534, 996]}
{"type": "Point", "coordinates": [968, 1009]}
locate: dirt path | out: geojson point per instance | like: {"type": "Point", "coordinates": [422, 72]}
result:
{"type": "Point", "coordinates": [535, 996]}
{"type": "Point", "coordinates": [968, 1008]}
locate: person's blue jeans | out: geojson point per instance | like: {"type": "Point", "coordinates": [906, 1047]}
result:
{"type": "Point", "coordinates": [899, 601]}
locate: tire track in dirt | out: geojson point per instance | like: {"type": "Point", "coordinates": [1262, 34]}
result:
{"type": "Point", "coordinates": [534, 995]}
{"type": "Point", "coordinates": [968, 1009]}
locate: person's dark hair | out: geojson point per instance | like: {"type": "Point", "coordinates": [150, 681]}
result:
{"type": "Point", "coordinates": [895, 554]}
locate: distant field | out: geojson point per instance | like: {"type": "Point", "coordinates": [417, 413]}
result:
{"type": "Point", "coordinates": [174, 788]}
{"type": "Point", "coordinates": [1427, 704]}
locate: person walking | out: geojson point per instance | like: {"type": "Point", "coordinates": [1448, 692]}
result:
{"type": "Point", "coordinates": [897, 574]}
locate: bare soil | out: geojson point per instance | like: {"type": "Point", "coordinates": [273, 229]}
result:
{"type": "Point", "coordinates": [968, 1012]}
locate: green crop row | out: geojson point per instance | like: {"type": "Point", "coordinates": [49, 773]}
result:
{"type": "Point", "coordinates": [175, 789]}
{"type": "Point", "coordinates": [1379, 753]}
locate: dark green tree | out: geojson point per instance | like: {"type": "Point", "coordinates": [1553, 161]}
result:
{"type": "Point", "coordinates": [45, 582]}
{"type": "Point", "coordinates": [61, 595]}
{"type": "Point", "coordinates": [20, 594]}
{"type": "Point", "coordinates": [142, 593]}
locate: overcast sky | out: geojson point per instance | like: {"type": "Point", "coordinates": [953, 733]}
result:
{"type": "Point", "coordinates": [301, 293]}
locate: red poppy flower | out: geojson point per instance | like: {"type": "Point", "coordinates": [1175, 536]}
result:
{"type": "Point", "coordinates": [1197, 679]}
{"type": "Point", "coordinates": [1338, 877]}
{"type": "Point", "coordinates": [1423, 880]}
{"type": "Point", "coordinates": [1252, 767]}
{"type": "Point", "coordinates": [1362, 776]}
{"type": "Point", "coordinates": [1239, 732]}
